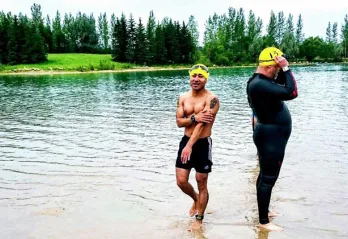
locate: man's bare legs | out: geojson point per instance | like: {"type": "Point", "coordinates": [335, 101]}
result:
{"type": "Point", "coordinates": [182, 176]}
{"type": "Point", "coordinates": [203, 197]}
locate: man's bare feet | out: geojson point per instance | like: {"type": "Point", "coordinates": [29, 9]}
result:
{"type": "Point", "coordinates": [195, 226]}
{"type": "Point", "coordinates": [271, 227]}
{"type": "Point", "coordinates": [273, 214]}
{"type": "Point", "coordinates": [193, 209]}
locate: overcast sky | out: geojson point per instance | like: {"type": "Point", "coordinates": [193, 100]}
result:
{"type": "Point", "coordinates": [315, 14]}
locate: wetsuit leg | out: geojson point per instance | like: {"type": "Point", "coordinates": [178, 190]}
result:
{"type": "Point", "coordinates": [270, 141]}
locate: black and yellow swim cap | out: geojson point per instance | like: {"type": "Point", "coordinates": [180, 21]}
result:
{"type": "Point", "coordinates": [199, 69]}
{"type": "Point", "coordinates": [268, 55]}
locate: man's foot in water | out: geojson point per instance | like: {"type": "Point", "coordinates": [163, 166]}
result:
{"type": "Point", "coordinates": [270, 227]}
{"type": "Point", "coordinates": [273, 214]}
{"type": "Point", "coordinates": [197, 225]}
{"type": "Point", "coordinates": [194, 209]}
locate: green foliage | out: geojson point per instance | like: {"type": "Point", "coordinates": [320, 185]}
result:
{"type": "Point", "coordinates": [311, 48]}
{"type": "Point", "coordinates": [222, 60]}
{"type": "Point", "coordinates": [204, 60]}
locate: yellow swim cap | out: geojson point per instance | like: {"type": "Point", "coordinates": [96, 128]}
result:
{"type": "Point", "coordinates": [268, 55]}
{"type": "Point", "coordinates": [199, 69]}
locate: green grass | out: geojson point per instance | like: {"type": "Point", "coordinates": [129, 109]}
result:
{"type": "Point", "coordinates": [71, 62]}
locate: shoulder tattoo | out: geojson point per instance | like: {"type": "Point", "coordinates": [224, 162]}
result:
{"type": "Point", "coordinates": [178, 102]}
{"type": "Point", "coordinates": [213, 102]}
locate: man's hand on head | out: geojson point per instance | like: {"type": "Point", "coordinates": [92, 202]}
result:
{"type": "Point", "coordinates": [281, 61]}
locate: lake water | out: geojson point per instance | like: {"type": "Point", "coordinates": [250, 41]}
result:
{"type": "Point", "coordinates": [93, 155]}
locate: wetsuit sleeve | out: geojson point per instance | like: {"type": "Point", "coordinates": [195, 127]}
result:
{"type": "Point", "coordinates": [280, 78]}
{"type": "Point", "coordinates": [287, 91]}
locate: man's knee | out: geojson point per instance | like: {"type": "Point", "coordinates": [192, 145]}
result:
{"type": "Point", "coordinates": [181, 181]}
{"type": "Point", "coordinates": [182, 176]}
{"type": "Point", "coordinates": [202, 180]}
{"type": "Point", "coordinates": [268, 180]}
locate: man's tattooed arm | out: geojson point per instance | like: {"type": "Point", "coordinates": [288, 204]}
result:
{"type": "Point", "coordinates": [213, 102]}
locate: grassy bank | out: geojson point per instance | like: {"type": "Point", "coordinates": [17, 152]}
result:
{"type": "Point", "coordinates": [89, 63]}
{"type": "Point", "coordinates": [70, 62]}
{"type": "Point", "coordinates": [77, 63]}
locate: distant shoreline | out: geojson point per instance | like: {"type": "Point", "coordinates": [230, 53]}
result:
{"type": "Point", "coordinates": [56, 72]}
{"type": "Point", "coordinates": [70, 63]}
{"type": "Point", "coordinates": [144, 69]}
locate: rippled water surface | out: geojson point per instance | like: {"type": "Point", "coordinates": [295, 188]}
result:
{"type": "Point", "coordinates": [92, 156]}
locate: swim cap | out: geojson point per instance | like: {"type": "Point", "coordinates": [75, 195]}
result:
{"type": "Point", "coordinates": [268, 55]}
{"type": "Point", "coordinates": [199, 69]}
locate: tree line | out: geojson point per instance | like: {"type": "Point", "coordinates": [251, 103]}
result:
{"type": "Point", "coordinates": [229, 39]}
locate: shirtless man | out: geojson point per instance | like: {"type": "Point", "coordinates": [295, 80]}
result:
{"type": "Point", "coordinates": [196, 111]}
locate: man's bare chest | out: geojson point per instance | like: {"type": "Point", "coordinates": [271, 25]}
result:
{"type": "Point", "coordinates": [193, 106]}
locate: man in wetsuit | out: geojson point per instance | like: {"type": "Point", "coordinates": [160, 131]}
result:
{"type": "Point", "coordinates": [196, 111]}
{"type": "Point", "coordinates": [267, 89]}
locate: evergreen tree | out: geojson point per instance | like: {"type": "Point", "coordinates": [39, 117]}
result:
{"type": "Point", "coordinates": [161, 51]}
{"type": "Point", "coordinates": [4, 35]}
{"type": "Point", "coordinates": [131, 39]}
{"type": "Point", "coordinates": [47, 35]}
{"type": "Point", "coordinates": [119, 39]}
{"type": "Point", "coordinates": [35, 50]}
{"type": "Point", "coordinates": [69, 31]}
{"type": "Point", "coordinates": [240, 36]}
{"type": "Point", "coordinates": [22, 29]}
{"type": "Point", "coordinates": [280, 29]}
{"type": "Point", "coordinates": [105, 33]}
{"type": "Point", "coordinates": [38, 21]}
{"type": "Point", "coordinates": [100, 31]}
{"type": "Point", "coordinates": [334, 32]}
{"type": "Point", "coordinates": [186, 45]}
{"type": "Point", "coordinates": [140, 49]}
{"type": "Point", "coordinates": [271, 31]}
{"type": "Point", "coordinates": [344, 36]}
{"type": "Point", "coordinates": [151, 38]}
{"type": "Point", "coordinates": [115, 41]}
{"type": "Point", "coordinates": [58, 38]}
{"type": "Point", "coordinates": [288, 43]}
{"type": "Point", "coordinates": [14, 53]}
{"type": "Point", "coordinates": [170, 39]}
{"type": "Point", "coordinates": [123, 38]}
{"type": "Point", "coordinates": [299, 28]}
{"type": "Point", "coordinates": [192, 27]}
{"type": "Point", "coordinates": [112, 26]}
{"type": "Point", "coordinates": [328, 33]}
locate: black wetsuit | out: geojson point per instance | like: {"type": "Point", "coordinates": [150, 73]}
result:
{"type": "Point", "coordinates": [272, 131]}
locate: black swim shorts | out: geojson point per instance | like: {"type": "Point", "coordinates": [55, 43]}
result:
{"type": "Point", "coordinates": [200, 158]}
